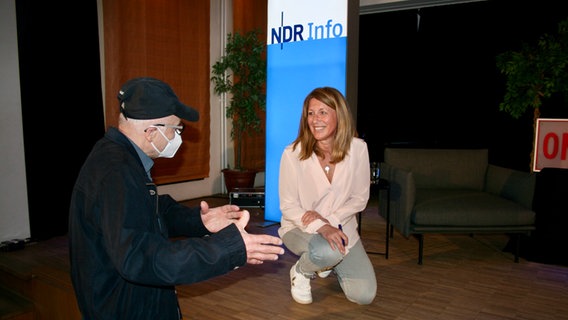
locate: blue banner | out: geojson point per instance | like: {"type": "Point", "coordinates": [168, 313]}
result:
{"type": "Point", "coordinates": [306, 48]}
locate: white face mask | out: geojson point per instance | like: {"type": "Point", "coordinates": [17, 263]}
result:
{"type": "Point", "coordinates": [172, 146]}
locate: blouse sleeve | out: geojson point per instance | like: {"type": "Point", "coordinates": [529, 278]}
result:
{"type": "Point", "coordinates": [288, 189]}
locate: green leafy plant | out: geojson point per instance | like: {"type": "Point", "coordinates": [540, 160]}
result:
{"type": "Point", "coordinates": [241, 73]}
{"type": "Point", "coordinates": [535, 72]}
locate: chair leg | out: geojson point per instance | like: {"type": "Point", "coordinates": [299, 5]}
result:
{"type": "Point", "coordinates": [517, 241]}
{"type": "Point", "coordinates": [420, 248]}
{"type": "Point", "coordinates": [387, 241]}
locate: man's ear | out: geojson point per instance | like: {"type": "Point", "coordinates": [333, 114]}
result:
{"type": "Point", "coordinates": [150, 133]}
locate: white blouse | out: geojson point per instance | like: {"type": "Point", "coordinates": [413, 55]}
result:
{"type": "Point", "coordinates": [303, 186]}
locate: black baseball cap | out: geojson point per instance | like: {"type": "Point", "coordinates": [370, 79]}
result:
{"type": "Point", "coordinates": [150, 98]}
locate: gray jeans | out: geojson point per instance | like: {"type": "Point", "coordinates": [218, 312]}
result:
{"type": "Point", "coordinates": [354, 271]}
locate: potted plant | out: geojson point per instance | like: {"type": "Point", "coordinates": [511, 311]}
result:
{"type": "Point", "coordinates": [241, 73]}
{"type": "Point", "coordinates": [535, 74]}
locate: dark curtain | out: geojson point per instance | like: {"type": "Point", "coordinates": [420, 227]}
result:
{"type": "Point", "coordinates": [429, 76]}
{"type": "Point", "coordinates": [62, 107]}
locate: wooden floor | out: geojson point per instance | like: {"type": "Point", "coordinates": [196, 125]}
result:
{"type": "Point", "coordinates": [462, 277]}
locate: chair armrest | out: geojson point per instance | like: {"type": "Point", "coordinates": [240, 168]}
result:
{"type": "Point", "coordinates": [515, 185]}
{"type": "Point", "coordinates": [402, 197]}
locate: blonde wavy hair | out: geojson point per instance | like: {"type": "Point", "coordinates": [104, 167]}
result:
{"type": "Point", "coordinates": [344, 134]}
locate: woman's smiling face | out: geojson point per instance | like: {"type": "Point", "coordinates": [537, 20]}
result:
{"type": "Point", "coordinates": [322, 120]}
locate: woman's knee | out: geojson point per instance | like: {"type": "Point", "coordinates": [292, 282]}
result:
{"type": "Point", "coordinates": [363, 296]}
{"type": "Point", "coordinates": [322, 254]}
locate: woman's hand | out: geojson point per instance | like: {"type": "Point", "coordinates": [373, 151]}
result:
{"type": "Point", "coordinates": [335, 237]}
{"type": "Point", "coordinates": [310, 216]}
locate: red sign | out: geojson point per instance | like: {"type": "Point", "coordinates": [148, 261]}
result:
{"type": "Point", "coordinates": [551, 143]}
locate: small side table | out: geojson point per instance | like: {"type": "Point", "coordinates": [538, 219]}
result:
{"type": "Point", "coordinates": [382, 185]}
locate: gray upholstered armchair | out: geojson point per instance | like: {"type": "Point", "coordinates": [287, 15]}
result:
{"type": "Point", "coordinates": [455, 191]}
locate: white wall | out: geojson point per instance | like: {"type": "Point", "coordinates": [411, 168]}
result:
{"type": "Point", "coordinates": [14, 217]}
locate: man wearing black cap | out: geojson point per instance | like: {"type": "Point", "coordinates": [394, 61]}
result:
{"type": "Point", "coordinates": [123, 264]}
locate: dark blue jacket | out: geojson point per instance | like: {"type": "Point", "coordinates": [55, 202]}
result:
{"type": "Point", "coordinates": [124, 264]}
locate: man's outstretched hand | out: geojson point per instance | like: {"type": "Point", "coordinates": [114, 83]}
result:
{"type": "Point", "coordinates": [260, 247]}
{"type": "Point", "coordinates": [218, 218]}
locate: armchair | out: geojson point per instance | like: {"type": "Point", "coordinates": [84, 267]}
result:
{"type": "Point", "coordinates": [456, 191]}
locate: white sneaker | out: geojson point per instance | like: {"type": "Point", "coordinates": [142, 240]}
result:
{"type": "Point", "coordinates": [300, 286]}
{"type": "Point", "coordinates": [324, 274]}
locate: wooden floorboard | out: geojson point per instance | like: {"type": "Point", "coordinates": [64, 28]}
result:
{"type": "Point", "coordinates": [462, 277]}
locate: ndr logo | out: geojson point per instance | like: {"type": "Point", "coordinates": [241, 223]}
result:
{"type": "Point", "coordinates": [311, 31]}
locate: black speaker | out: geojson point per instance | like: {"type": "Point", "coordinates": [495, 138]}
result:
{"type": "Point", "coordinates": [247, 197]}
